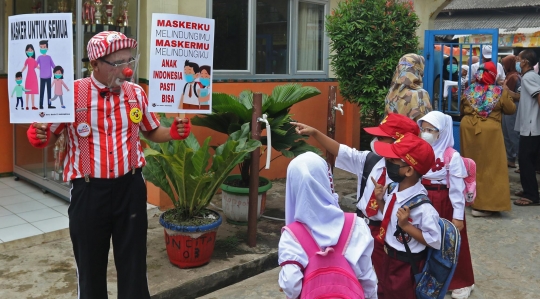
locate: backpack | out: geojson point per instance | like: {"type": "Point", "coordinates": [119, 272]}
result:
{"type": "Point", "coordinates": [434, 279]}
{"type": "Point", "coordinates": [470, 179]}
{"type": "Point", "coordinates": [371, 159]}
{"type": "Point", "coordinates": [327, 275]}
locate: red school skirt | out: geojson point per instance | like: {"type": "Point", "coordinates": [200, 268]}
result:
{"type": "Point", "coordinates": [464, 276]}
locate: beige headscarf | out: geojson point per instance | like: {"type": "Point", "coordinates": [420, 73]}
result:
{"type": "Point", "coordinates": [406, 95]}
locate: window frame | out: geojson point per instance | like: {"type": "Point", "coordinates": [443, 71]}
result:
{"type": "Point", "coordinates": [292, 51]}
{"type": "Point", "coordinates": [4, 22]}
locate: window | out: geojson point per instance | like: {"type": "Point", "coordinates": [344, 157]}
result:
{"type": "Point", "coordinates": [270, 38]}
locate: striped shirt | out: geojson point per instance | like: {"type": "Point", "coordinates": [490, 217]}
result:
{"type": "Point", "coordinates": [109, 142]}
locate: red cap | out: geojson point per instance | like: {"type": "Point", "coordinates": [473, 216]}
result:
{"type": "Point", "coordinates": [410, 148]}
{"type": "Point", "coordinates": [107, 42]}
{"type": "Point", "coordinates": [394, 125]}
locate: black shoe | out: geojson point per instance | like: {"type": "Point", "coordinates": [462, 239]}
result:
{"type": "Point", "coordinates": [52, 107]}
{"type": "Point", "coordinates": [40, 107]}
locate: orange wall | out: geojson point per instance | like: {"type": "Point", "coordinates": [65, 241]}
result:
{"type": "Point", "coordinates": [6, 133]}
{"type": "Point", "coordinates": [312, 112]}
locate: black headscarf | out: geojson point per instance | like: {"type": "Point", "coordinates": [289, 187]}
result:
{"type": "Point", "coordinates": [455, 76]}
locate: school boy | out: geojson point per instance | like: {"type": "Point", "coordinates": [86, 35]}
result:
{"type": "Point", "coordinates": [351, 160]}
{"type": "Point", "coordinates": [407, 159]}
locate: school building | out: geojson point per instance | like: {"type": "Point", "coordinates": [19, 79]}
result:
{"type": "Point", "coordinates": [259, 44]}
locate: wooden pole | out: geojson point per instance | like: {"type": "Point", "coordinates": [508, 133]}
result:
{"type": "Point", "coordinates": [331, 121]}
{"type": "Point", "coordinates": [254, 171]}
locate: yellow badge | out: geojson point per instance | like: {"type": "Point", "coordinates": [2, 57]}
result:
{"type": "Point", "coordinates": [135, 115]}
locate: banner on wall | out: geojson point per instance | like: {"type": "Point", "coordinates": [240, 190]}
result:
{"type": "Point", "coordinates": [509, 40]}
{"type": "Point", "coordinates": [40, 68]}
{"type": "Point", "coordinates": [181, 64]}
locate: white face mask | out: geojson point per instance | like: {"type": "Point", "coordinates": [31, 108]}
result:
{"type": "Point", "coordinates": [428, 137]}
{"type": "Point", "coordinates": [371, 145]}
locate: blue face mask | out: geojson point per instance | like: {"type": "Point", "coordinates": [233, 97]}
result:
{"type": "Point", "coordinates": [43, 51]}
{"type": "Point", "coordinates": [518, 67]}
{"type": "Point", "coordinates": [452, 68]}
{"type": "Point", "coordinates": [57, 76]}
{"type": "Point", "coordinates": [205, 81]}
{"type": "Point", "coordinates": [189, 78]}
{"type": "Point", "coordinates": [18, 81]}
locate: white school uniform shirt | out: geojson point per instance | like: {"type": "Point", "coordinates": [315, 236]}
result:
{"type": "Point", "coordinates": [193, 100]}
{"type": "Point", "coordinates": [457, 184]}
{"type": "Point", "coordinates": [424, 217]}
{"type": "Point", "coordinates": [358, 254]}
{"type": "Point", "coordinates": [352, 160]}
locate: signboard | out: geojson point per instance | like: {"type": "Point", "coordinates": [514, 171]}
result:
{"type": "Point", "coordinates": [40, 68]}
{"type": "Point", "coordinates": [181, 64]}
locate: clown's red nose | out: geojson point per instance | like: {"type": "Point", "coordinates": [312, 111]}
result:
{"type": "Point", "coordinates": [127, 72]}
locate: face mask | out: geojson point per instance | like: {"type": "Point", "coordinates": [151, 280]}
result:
{"type": "Point", "coordinates": [393, 172]}
{"type": "Point", "coordinates": [30, 53]}
{"type": "Point", "coordinates": [43, 51]}
{"type": "Point", "coordinates": [518, 67]}
{"type": "Point", "coordinates": [372, 144]}
{"type": "Point", "coordinates": [189, 78]}
{"type": "Point", "coordinates": [452, 68]}
{"type": "Point", "coordinates": [18, 81]}
{"type": "Point", "coordinates": [57, 76]}
{"type": "Point", "coordinates": [205, 81]}
{"type": "Point", "coordinates": [428, 137]}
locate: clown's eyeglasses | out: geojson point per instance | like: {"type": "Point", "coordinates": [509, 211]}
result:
{"type": "Point", "coordinates": [121, 64]}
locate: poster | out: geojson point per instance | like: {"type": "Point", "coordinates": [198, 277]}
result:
{"type": "Point", "coordinates": [181, 64]}
{"type": "Point", "coordinates": [40, 68]}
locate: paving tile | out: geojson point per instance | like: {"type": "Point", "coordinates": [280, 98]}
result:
{"type": "Point", "coordinates": [11, 220]}
{"type": "Point", "coordinates": [4, 186]}
{"type": "Point", "coordinates": [62, 209]}
{"type": "Point", "coordinates": [4, 212]}
{"type": "Point", "coordinates": [18, 232]}
{"type": "Point", "coordinates": [13, 199]}
{"type": "Point", "coordinates": [39, 215]}
{"type": "Point", "coordinates": [25, 207]}
{"type": "Point", "coordinates": [52, 201]}
{"type": "Point", "coordinates": [27, 189]}
{"type": "Point", "coordinates": [9, 192]}
{"type": "Point", "coordinates": [52, 224]}
{"type": "Point", "coordinates": [13, 183]}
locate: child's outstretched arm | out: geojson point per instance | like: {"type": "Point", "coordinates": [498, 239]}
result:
{"type": "Point", "coordinates": [328, 143]}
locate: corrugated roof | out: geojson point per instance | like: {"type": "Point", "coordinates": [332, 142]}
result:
{"type": "Point", "coordinates": [487, 4]}
{"type": "Point", "coordinates": [488, 20]}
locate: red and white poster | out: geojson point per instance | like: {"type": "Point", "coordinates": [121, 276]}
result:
{"type": "Point", "coordinates": [181, 64]}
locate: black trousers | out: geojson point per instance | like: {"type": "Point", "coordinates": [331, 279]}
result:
{"type": "Point", "coordinates": [99, 210]}
{"type": "Point", "coordinates": [44, 83]}
{"type": "Point", "coordinates": [529, 146]}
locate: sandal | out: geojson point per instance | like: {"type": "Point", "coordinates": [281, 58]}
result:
{"type": "Point", "coordinates": [519, 193]}
{"type": "Point", "coordinates": [511, 164]}
{"type": "Point", "coordinates": [522, 202]}
{"type": "Point", "coordinates": [517, 171]}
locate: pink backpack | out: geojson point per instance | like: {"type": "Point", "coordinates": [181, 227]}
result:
{"type": "Point", "coordinates": [470, 180]}
{"type": "Point", "coordinates": [327, 275]}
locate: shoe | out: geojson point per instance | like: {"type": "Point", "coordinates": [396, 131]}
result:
{"type": "Point", "coordinates": [51, 107]}
{"type": "Point", "coordinates": [40, 107]}
{"type": "Point", "coordinates": [26, 108]}
{"type": "Point", "coordinates": [16, 108]}
{"type": "Point", "coordinates": [478, 213]}
{"type": "Point", "coordinates": [64, 107]}
{"type": "Point", "coordinates": [462, 293]}
{"type": "Point", "coordinates": [34, 108]}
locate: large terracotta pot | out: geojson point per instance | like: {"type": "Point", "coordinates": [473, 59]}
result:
{"type": "Point", "coordinates": [190, 246]}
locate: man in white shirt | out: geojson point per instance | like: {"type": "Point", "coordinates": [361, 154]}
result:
{"type": "Point", "coordinates": [486, 57]}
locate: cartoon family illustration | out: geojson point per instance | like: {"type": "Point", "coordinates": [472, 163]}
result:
{"type": "Point", "coordinates": [196, 94]}
{"type": "Point", "coordinates": [45, 64]}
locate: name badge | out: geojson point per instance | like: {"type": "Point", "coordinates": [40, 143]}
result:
{"type": "Point", "coordinates": [83, 129]}
{"type": "Point", "coordinates": [135, 115]}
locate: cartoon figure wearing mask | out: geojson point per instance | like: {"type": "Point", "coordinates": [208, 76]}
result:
{"type": "Point", "coordinates": [46, 66]}
{"type": "Point", "coordinates": [190, 93]}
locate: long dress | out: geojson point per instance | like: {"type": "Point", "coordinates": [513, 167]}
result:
{"type": "Point", "coordinates": [482, 140]}
{"type": "Point", "coordinates": [31, 82]}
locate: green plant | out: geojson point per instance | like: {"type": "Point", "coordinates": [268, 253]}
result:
{"type": "Point", "coordinates": [230, 112]}
{"type": "Point", "coordinates": [180, 168]}
{"type": "Point", "coordinates": [368, 37]}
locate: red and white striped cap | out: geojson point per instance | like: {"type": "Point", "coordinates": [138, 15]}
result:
{"type": "Point", "coordinates": [107, 42]}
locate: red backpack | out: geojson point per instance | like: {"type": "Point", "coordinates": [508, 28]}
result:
{"type": "Point", "coordinates": [327, 275]}
{"type": "Point", "coordinates": [470, 180]}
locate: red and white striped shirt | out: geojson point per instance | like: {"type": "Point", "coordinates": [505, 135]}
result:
{"type": "Point", "coordinates": [109, 143]}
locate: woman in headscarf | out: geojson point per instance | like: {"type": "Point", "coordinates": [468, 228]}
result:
{"type": "Point", "coordinates": [451, 71]}
{"type": "Point", "coordinates": [512, 83]}
{"type": "Point", "coordinates": [310, 199]}
{"type": "Point", "coordinates": [482, 107]}
{"type": "Point", "coordinates": [406, 95]}
{"type": "Point", "coordinates": [445, 186]}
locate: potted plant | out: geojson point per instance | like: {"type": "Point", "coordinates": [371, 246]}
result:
{"type": "Point", "coordinates": [229, 113]}
{"type": "Point", "coordinates": [183, 170]}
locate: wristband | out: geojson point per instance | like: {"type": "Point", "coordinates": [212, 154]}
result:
{"type": "Point", "coordinates": [34, 140]}
{"type": "Point", "coordinates": [174, 130]}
